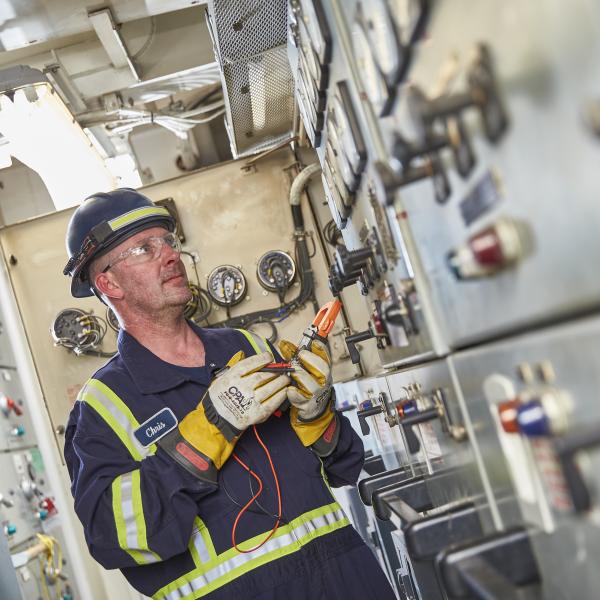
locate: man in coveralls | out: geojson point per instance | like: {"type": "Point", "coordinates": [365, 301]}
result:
{"type": "Point", "coordinates": [173, 437]}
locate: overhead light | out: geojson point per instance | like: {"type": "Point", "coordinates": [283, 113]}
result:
{"type": "Point", "coordinates": [43, 134]}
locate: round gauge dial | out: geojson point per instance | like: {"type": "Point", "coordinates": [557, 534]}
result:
{"type": "Point", "coordinates": [344, 131]}
{"type": "Point", "coordinates": [276, 270]}
{"type": "Point", "coordinates": [314, 26]}
{"type": "Point", "coordinates": [226, 285]}
{"type": "Point", "coordinates": [410, 17]}
{"type": "Point", "coordinates": [382, 34]}
{"type": "Point", "coordinates": [372, 79]}
{"type": "Point", "coordinates": [69, 326]}
{"type": "Point", "coordinates": [338, 156]}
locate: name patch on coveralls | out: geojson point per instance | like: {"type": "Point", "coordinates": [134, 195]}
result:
{"type": "Point", "coordinates": [157, 426]}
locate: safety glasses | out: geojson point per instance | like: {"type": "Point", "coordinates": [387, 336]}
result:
{"type": "Point", "coordinates": [149, 249]}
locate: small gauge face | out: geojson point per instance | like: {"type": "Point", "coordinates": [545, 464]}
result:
{"type": "Point", "coordinates": [68, 325]}
{"type": "Point", "coordinates": [336, 176]}
{"type": "Point", "coordinates": [276, 270]}
{"type": "Point", "coordinates": [372, 80]}
{"type": "Point", "coordinates": [338, 210]}
{"type": "Point", "coordinates": [338, 156]}
{"type": "Point", "coordinates": [226, 285]}
{"type": "Point", "coordinates": [316, 24]}
{"type": "Point", "coordinates": [381, 32]}
{"type": "Point", "coordinates": [410, 16]}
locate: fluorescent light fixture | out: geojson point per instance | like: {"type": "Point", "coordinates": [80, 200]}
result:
{"type": "Point", "coordinates": [43, 134]}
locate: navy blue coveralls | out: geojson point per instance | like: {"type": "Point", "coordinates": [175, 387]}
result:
{"type": "Point", "coordinates": [170, 533]}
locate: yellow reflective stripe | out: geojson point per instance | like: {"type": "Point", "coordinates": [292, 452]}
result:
{"type": "Point", "coordinates": [231, 564]}
{"type": "Point", "coordinates": [112, 423]}
{"type": "Point", "coordinates": [258, 343]}
{"type": "Point", "coordinates": [117, 415]}
{"type": "Point", "coordinates": [136, 215]}
{"type": "Point", "coordinates": [129, 518]}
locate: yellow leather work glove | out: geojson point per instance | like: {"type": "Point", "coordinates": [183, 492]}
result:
{"type": "Point", "coordinates": [239, 397]}
{"type": "Point", "coordinates": [312, 412]}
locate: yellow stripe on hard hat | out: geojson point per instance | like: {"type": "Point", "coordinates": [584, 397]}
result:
{"type": "Point", "coordinates": [135, 215]}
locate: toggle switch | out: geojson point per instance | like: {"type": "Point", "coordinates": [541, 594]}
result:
{"type": "Point", "coordinates": [8, 404]}
{"type": "Point", "coordinates": [507, 412]}
{"type": "Point", "coordinates": [544, 415]}
{"type": "Point", "coordinates": [6, 502]}
{"type": "Point", "coordinates": [17, 431]}
{"type": "Point", "coordinates": [489, 251]}
{"type": "Point", "coordinates": [42, 514]}
{"type": "Point", "coordinates": [10, 529]}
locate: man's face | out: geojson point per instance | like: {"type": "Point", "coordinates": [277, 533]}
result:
{"type": "Point", "coordinates": [153, 285]}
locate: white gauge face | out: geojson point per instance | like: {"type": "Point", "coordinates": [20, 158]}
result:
{"type": "Point", "coordinates": [311, 21]}
{"type": "Point", "coordinates": [344, 131]}
{"type": "Point", "coordinates": [338, 210]}
{"type": "Point", "coordinates": [336, 162]}
{"type": "Point", "coordinates": [372, 80]}
{"type": "Point", "coordinates": [226, 285]}
{"type": "Point", "coordinates": [407, 14]}
{"type": "Point", "coordinates": [310, 59]}
{"type": "Point", "coordinates": [276, 270]}
{"type": "Point", "coordinates": [382, 35]}
{"type": "Point", "coordinates": [338, 156]}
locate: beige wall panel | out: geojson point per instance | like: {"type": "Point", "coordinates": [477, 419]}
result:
{"type": "Point", "coordinates": [229, 215]}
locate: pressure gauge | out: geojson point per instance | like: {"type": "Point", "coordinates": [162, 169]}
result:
{"type": "Point", "coordinates": [387, 52]}
{"type": "Point", "coordinates": [318, 98]}
{"type": "Point", "coordinates": [346, 196]}
{"type": "Point", "coordinates": [348, 130]}
{"type": "Point", "coordinates": [339, 210]}
{"type": "Point", "coordinates": [338, 156]}
{"type": "Point", "coordinates": [226, 285]}
{"type": "Point", "coordinates": [313, 121]}
{"type": "Point", "coordinates": [319, 72]}
{"type": "Point", "coordinates": [373, 81]}
{"type": "Point", "coordinates": [316, 24]}
{"type": "Point", "coordinates": [410, 17]}
{"type": "Point", "coordinates": [276, 270]}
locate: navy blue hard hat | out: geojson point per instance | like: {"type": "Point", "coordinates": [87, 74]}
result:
{"type": "Point", "coordinates": [103, 221]}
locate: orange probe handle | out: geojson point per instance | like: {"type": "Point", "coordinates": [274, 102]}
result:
{"type": "Point", "coordinates": [325, 318]}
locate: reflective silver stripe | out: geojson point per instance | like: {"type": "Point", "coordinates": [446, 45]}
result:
{"type": "Point", "coordinates": [297, 536]}
{"type": "Point", "coordinates": [131, 531]}
{"type": "Point", "coordinates": [122, 420]}
{"type": "Point", "coordinates": [260, 342]}
{"type": "Point", "coordinates": [200, 546]}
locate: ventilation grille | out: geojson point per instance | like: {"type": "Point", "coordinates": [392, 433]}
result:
{"type": "Point", "coordinates": [250, 45]}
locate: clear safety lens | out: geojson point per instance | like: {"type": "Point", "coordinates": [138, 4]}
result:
{"type": "Point", "coordinates": [149, 249]}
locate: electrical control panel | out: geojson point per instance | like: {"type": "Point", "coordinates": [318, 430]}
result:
{"type": "Point", "coordinates": [459, 170]}
{"type": "Point", "coordinates": [502, 127]}
{"type": "Point", "coordinates": [535, 422]}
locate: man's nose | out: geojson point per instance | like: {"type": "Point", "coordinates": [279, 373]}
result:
{"type": "Point", "coordinates": [169, 254]}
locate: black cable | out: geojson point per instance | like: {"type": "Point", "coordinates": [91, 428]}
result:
{"type": "Point", "coordinates": [273, 337]}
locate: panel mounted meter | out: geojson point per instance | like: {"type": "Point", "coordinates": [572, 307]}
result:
{"type": "Point", "coordinates": [226, 285]}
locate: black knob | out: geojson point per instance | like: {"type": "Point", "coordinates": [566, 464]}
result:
{"type": "Point", "coordinates": [351, 262]}
{"type": "Point", "coordinates": [353, 339]}
{"type": "Point", "coordinates": [362, 417]}
{"type": "Point", "coordinates": [566, 448]}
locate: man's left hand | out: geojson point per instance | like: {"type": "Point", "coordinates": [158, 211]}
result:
{"type": "Point", "coordinates": [312, 376]}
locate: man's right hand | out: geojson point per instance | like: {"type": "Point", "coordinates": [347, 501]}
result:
{"type": "Point", "coordinates": [240, 396]}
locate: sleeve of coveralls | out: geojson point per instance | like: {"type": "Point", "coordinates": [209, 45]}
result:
{"type": "Point", "coordinates": [344, 464]}
{"type": "Point", "coordinates": [132, 512]}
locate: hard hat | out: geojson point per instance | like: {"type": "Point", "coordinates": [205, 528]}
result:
{"type": "Point", "coordinates": [103, 221]}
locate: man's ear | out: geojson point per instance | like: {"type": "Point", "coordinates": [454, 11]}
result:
{"type": "Point", "coordinates": [107, 285]}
